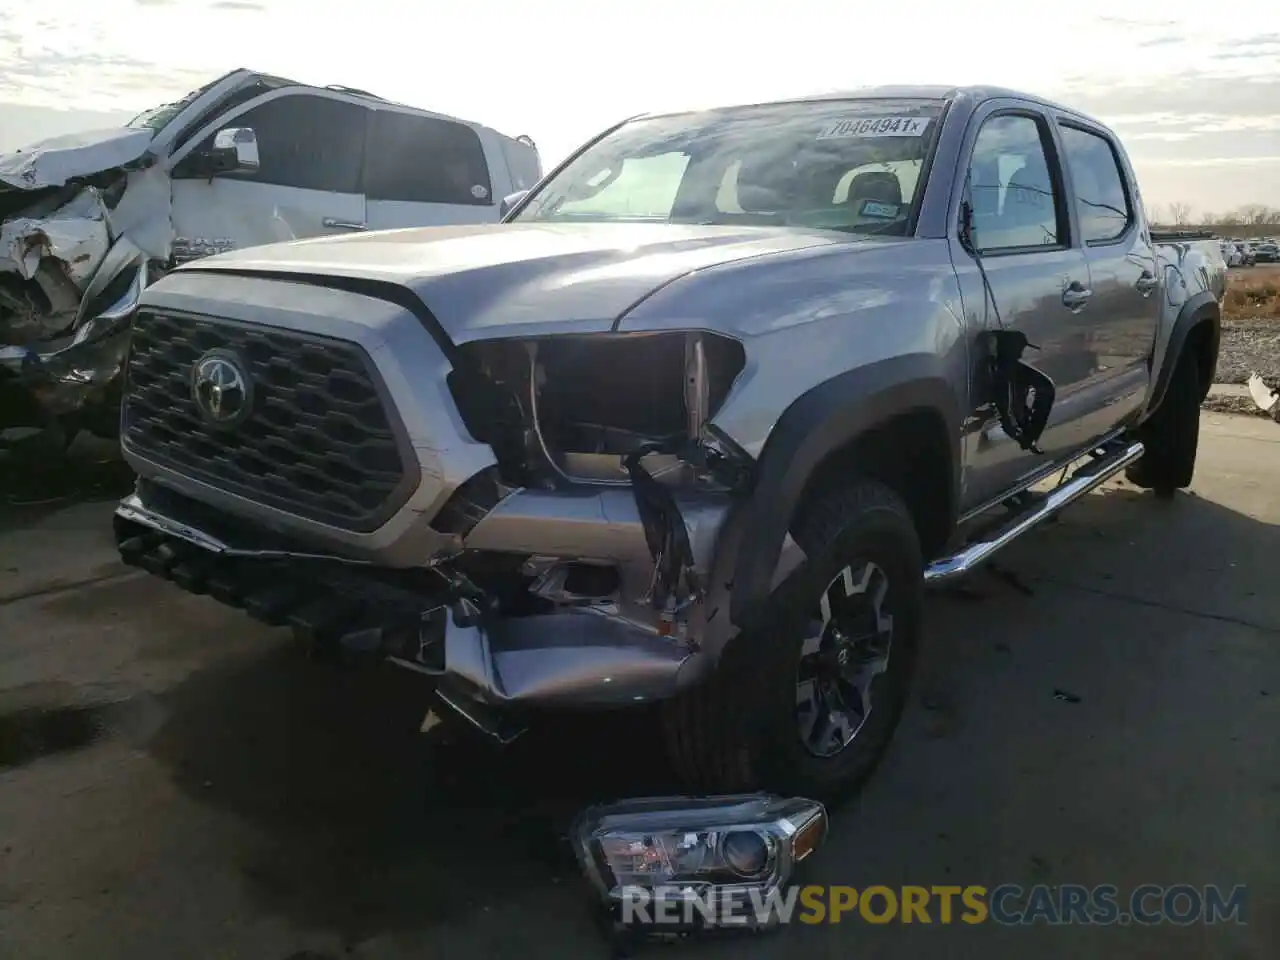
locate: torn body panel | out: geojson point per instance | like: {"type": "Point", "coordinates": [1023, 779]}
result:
{"type": "Point", "coordinates": [546, 629]}
{"type": "Point", "coordinates": [59, 160]}
{"type": "Point", "coordinates": [85, 216]}
{"type": "Point", "coordinates": [525, 525]}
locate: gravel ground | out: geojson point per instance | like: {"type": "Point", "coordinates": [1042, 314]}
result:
{"type": "Point", "coordinates": [1240, 405]}
{"type": "Point", "coordinates": [1249, 346]}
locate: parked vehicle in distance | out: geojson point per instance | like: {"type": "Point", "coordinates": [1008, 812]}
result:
{"type": "Point", "coordinates": [1266, 252]}
{"type": "Point", "coordinates": [697, 424]}
{"type": "Point", "coordinates": [1231, 254]}
{"type": "Point", "coordinates": [91, 219]}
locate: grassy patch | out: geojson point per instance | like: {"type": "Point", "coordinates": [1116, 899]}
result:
{"type": "Point", "coordinates": [1253, 295]}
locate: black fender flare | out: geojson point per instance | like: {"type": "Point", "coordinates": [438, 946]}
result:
{"type": "Point", "coordinates": [1200, 308]}
{"type": "Point", "coordinates": [815, 425]}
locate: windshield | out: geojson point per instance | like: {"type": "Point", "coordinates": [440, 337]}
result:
{"type": "Point", "coordinates": [851, 165]}
{"type": "Point", "coordinates": [157, 118]}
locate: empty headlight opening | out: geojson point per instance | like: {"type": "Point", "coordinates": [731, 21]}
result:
{"type": "Point", "coordinates": [549, 402]}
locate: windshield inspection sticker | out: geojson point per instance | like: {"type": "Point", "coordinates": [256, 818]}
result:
{"type": "Point", "coordinates": [879, 210]}
{"type": "Point", "coordinates": [875, 127]}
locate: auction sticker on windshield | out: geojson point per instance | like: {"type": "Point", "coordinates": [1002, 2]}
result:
{"type": "Point", "coordinates": [875, 127]}
{"type": "Point", "coordinates": [880, 210]}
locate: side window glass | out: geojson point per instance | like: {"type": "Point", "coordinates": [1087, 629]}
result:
{"type": "Point", "coordinates": [426, 160]}
{"type": "Point", "coordinates": [305, 141]}
{"type": "Point", "coordinates": [1105, 211]}
{"type": "Point", "coordinates": [1015, 204]}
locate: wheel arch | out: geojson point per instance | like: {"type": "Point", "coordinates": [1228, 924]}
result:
{"type": "Point", "coordinates": [896, 420]}
{"type": "Point", "coordinates": [1198, 328]}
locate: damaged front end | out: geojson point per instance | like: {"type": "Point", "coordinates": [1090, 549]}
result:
{"type": "Point", "coordinates": [588, 565]}
{"type": "Point", "coordinates": [74, 259]}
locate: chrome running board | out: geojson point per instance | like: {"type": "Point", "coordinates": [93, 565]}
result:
{"type": "Point", "coordinates": [1105, 465]}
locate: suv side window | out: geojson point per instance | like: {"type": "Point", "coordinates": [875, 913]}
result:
{"type": "Point", "coordinates": [1016, 202]}
{"type": "Point", "coordinates": [305, 141]}
{"type": "Point", "coordinates": [1105, 211]}
{"type": "Point", "coordinates": [425, 160]}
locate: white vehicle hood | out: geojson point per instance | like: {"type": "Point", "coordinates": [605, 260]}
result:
{"type": "Point", "coordinates": [52, 162]}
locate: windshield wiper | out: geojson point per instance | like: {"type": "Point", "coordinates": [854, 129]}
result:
{"type": "Point", "coordinates": [880, 228]}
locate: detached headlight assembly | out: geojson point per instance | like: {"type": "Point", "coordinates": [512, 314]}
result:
{"type": "Point", "coordinates": [690, 861]}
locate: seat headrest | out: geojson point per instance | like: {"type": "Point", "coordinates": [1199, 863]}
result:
{"type": "Point", "coordinates": [879, 185]}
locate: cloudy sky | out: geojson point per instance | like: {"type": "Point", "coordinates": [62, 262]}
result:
{"type": "Point", "coordinates": [1194, 88]}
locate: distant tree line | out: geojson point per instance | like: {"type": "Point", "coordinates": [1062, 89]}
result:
{"type": "Point", "coordinates": [1252, 218]}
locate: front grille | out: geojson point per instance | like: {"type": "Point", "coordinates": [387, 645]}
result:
{"type": "Point", "coordinates": [319, 442]}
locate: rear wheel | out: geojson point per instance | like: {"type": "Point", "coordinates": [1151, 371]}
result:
{"type": "Point", "coordinates": [1172, 435]}
{"type": "Point", "coordinates": [806, 701]}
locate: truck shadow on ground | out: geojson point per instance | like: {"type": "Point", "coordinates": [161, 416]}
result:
{"type": "Point", "coordinates": [369, 827]}
{"type": "Point", "coordinates": [374, 826]}
{"type": "Point", "coordinates": [35, 483]}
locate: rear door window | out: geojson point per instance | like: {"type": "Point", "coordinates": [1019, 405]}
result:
{"type": "Point", "coordinates": [1105, 211]}
{"type": "Point", "coordinates": [420, 159]}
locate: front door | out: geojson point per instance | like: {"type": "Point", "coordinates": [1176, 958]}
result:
{"type": "Point", "coordinates": [307, 184]}
{"type": "Point", "coordinates": [1036, 281]}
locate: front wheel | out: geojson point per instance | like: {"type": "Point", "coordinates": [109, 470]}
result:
{"type": "Point", "coordinates": [806, 701]}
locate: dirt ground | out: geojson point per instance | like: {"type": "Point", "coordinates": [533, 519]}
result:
{"type": "Point", "coordinates": [1251, 327]}
{"type": "Point", "coordinates": [176, 781]}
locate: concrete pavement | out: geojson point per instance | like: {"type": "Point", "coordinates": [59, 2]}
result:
{"type": "Point", "coordinates": [177, 781]}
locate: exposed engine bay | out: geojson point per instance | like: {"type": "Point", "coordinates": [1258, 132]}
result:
{"type": "Point", "coordinates": [620, 412]}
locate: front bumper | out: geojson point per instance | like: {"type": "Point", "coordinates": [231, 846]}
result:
{"type": "Point", "coordinates": [595, 655]}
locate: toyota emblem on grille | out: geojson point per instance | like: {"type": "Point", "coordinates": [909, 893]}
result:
{"type": "Point", "coordinates": [221, 388]}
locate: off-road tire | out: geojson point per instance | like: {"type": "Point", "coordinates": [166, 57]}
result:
{"type": "Point", "coordinates": [1172, 435]}
{"type": "Point", "coordinates": [738, 730]}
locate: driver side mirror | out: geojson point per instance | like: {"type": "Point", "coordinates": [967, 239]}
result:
{"type": "Point", "coordinates": [234, 150]}
{"type": "Point", "coordinates": [509, 202]}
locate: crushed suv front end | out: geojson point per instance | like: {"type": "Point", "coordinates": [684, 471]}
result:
{"type": "Point", "coordinates": [544, 521]}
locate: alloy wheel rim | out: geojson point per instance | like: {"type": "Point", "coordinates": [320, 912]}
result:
{"type": "Point", "coordinates": [846, 647]}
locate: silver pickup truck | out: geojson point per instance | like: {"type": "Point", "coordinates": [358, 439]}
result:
{"type": "Point", "coordinates": [696, 425]}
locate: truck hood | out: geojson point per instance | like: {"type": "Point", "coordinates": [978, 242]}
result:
{"type": "Point", "coordinates": [501, 280]}
{"type": "Point", "coordinates": [52, 162]}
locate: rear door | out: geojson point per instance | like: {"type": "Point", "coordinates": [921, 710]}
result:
{"type": "Point", "coordinates": [1124, 308]}
{"type": "Point", "coordinates": [307, 184]}
{"type": "Point", "coordinates": [1036, 281]}
{"type": "Point", "coordinates": [423, 171]}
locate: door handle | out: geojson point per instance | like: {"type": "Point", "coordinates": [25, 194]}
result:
{"type": "Point", "coordinates": [336, 224]}
{"type": "Point", "coordinates": [1076, 296]}
{"type": "Point", "coordinates": [1146, 283]}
